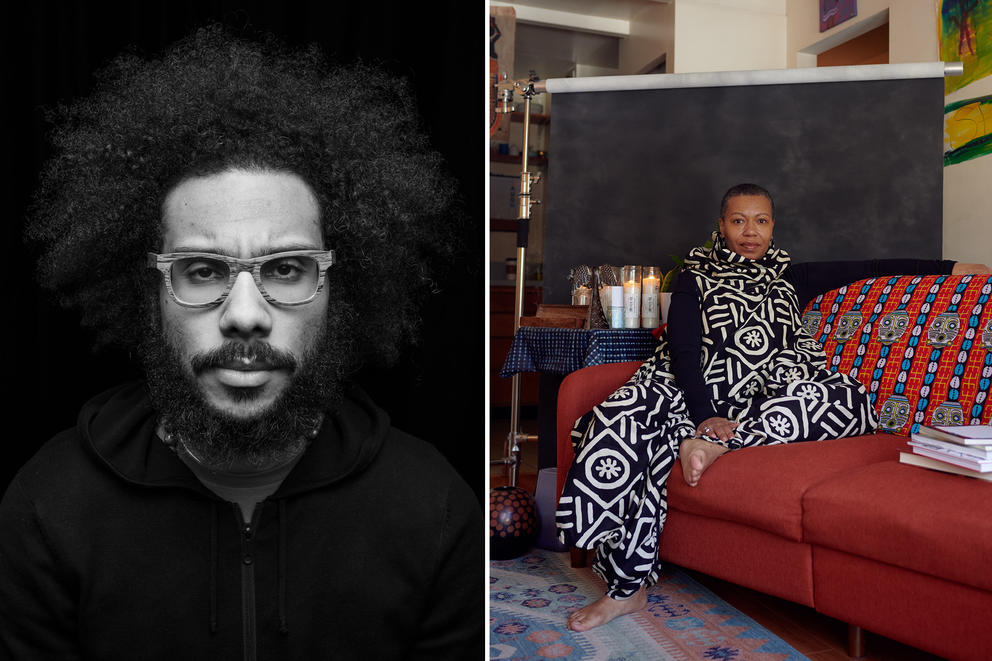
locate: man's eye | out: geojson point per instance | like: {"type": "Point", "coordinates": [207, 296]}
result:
{"type": "Point", "coordinates": [284, 269]}
{"type": "Point", "coordinates": [204, 272]}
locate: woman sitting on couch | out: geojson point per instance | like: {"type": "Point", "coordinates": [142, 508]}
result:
{"type": "Point", "coordinates": [735, 370]}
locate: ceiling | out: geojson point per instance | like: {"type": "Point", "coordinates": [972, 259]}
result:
{"type": "Point", "coordinates": [612, 9]}
{"type": "Point", "coordinates": [554, 53]}
{"type": "Point", "coordinates": [553, 36]}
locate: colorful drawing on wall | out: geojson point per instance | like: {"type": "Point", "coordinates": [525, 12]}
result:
{"type": "Point", "coordinates": [835, 12]}
{"type": "Point", "coordinates": [965, 31]}
{"type": "Point", "coordinates": [967, 130]}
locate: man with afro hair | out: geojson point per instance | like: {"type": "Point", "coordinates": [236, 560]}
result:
{"type": "Point", "coordinates": [256, 226]}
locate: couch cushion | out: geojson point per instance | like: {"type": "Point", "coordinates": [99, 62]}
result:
{"type": "Point", "coordinates": [939, 616]}
{"type": "Point", "coordinates": [928, 521]}
{"type": "Point", "coordinates": [743, 554]}
{"type": "Point", "coordinates": [764, 486]}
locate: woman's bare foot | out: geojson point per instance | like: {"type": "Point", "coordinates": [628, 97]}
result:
{"type": "Point", "coordinates": [696, 455]}
{"type": "Point", "coordinates": [605, 610]}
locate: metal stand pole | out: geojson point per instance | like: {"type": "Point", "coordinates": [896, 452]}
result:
{"type": "Point", "coordinates": [528, 89]}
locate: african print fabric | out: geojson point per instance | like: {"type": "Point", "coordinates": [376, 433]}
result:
{"type": "Point", "coordinates": [763, 371]}
{"type": "Point", "coordinates": [922, 345]}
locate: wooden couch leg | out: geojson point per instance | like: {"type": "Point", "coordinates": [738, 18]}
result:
{"type": "Point", "coordinates": [856, 641]}
{"type": "Point", "coordinates": [577, 557]}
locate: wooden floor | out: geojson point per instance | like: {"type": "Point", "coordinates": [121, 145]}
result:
{"type": "Point", "coordinates": [817, 636]}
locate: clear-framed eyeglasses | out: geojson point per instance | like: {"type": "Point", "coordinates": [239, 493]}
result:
{"type": "Point", "coordinates": [202, 279]}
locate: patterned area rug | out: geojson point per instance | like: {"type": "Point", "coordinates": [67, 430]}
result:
{"type": "Point", "coordinates": [530, 599]}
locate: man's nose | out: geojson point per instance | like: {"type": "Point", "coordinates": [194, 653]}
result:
{"type": "Point", "coordinates": [245, 313]}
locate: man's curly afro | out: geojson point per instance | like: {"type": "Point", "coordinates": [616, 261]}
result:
{"type": "Point", "coordinates": [215, 101]}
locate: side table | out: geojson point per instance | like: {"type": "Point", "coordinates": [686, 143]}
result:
{"type": "Point", "coordinates": [556, 352]}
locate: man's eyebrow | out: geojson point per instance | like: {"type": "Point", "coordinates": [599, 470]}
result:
{"type": "Point", "coordinates": [267, 250]}
{"type": "Point", "coordinates": [285, 247]}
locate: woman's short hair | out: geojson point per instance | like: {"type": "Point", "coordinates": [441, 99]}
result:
{"type": "Point", "coordinates": [745, 189]}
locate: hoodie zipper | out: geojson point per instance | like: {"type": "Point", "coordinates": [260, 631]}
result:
{"type": "Point", "coordinates": [248, 582]}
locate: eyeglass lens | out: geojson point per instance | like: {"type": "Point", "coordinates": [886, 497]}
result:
{"type": "Point", "coordinates": [198, 280]}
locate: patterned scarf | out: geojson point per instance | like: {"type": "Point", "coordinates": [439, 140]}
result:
{"type": "Point", "coordinates": [750, 317]}
{"type": "Point", "coordinates": [722, 266]}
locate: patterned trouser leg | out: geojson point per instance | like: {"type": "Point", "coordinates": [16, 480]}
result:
{"type": "Point", "coordinates": [802, 403]}
{"type": "Point", "coordinates": [615, 496]}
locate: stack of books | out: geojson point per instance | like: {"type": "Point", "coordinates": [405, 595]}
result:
{"type": "Point", "coordinates": [964, 450]}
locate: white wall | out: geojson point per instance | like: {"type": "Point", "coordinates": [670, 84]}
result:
{"type": "Point", "coordinates": [652, 35]}
{"type": "Point", "coordinates": [729, 35]}
{"type": "Point", "coordinates": [584, 70]}
{"type": "Point", "coordinates": [912, 29]}
{"type": "Point", "coordinates": [967, 214]}
{"type": "Point", "coordinates": [706, 35]}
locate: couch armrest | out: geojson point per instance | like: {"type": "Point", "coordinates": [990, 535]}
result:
{"type": "Point", "coordinates": [579, 392]}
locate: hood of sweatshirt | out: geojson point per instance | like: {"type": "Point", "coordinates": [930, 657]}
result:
{"type": "Point", "coordinates": [119, 428]}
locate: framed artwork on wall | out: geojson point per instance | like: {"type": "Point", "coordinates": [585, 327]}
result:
{"type": "Point", "coordinates": [835, 12]}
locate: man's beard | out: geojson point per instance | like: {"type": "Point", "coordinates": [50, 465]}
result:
{"type": "Point", "coordinates": [269, 437]}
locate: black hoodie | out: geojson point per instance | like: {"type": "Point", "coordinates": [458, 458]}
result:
{"type": "Point", "coordinates": [110, 548]}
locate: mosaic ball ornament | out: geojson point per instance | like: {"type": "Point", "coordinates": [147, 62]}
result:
{"type": "Point", "coordinates": [513, 522]}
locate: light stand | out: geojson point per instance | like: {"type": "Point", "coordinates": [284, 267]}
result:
{"type": "Point", "coordinates": [526, 88]}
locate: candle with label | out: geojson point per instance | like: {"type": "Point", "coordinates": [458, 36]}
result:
{"type": "Point", "coordinates": [631, 296]}
{"type": "Point", "coordinates": [616, 306]}
{"type": "Point", "coordinates": [650, 284]}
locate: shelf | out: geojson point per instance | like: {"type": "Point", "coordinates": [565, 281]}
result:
{"type": "Point", "coordinates": [507, 158]}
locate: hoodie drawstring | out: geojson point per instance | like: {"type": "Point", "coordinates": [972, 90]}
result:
{"type": "Point", "coordinates": [281, 570]}
{"type": "Point", "coordinates": [214, 552]}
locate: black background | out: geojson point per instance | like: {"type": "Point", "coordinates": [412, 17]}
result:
{"type": "Point", "coordinates": [855, 168]}
{"type": "Point", "coordinates": [50, 52]}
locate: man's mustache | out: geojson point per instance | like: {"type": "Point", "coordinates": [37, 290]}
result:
{"type": "Point", "coordinates": [256, 353]}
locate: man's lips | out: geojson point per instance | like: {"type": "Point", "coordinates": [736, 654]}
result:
{"type": "Point", "coordinates": [246, 365]}
{"type": "Point", "coordinates": [245, 373]}
{"type": "Point", "coordinates": [236, 366]}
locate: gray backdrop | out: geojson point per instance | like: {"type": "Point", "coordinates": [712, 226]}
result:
{"type": "Point", "coordinates": [855, 169]}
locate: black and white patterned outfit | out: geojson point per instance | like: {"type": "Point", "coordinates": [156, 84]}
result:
{"type": "Point", "coordinates": [759, 368]}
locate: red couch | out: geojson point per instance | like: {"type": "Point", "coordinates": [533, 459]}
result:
{"type": "Point", "coordinates": [841, 526]}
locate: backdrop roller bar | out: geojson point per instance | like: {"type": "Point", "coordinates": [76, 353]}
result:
{"type": "Point", "coordinates": [758, 77]}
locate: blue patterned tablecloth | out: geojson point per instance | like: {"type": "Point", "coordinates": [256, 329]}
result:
{"type": "Point", "coordinates": [564, 350]}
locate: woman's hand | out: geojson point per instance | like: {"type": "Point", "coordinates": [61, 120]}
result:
{"type": "Point", "coordinates": [960, 268]}
{"type": "Point", "coordinates": [722, 428]}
